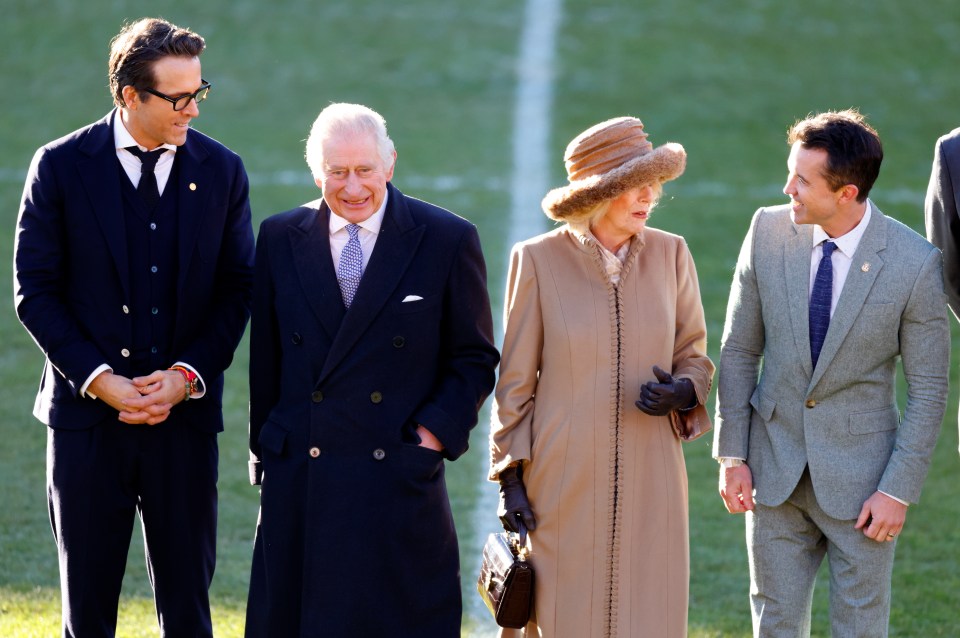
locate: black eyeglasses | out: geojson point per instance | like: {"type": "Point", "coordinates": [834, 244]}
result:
{"type": "Point", "coordinates": [181, 102]}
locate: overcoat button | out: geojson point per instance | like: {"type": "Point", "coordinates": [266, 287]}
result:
{"type": "Point", "coordinates": [811, 403]}
{"type": "Point", "coordinates": [126, 310]}
{"type": "Point", "coordinates": [379, 454]}
{"type": "Point", "coordinates": [296, 339]}
{"type": "Point", "coordinates": [316, 396]}
{"type": "Point", "coordinates": [376, 397]}
{"type": "Point", "coordinates": [398, 342]}
{"type": "Point", "coordinates": [314, 452]}
{"type": "Point", "coordinates": [125, 352]}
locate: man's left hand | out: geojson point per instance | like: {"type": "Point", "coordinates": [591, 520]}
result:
{"type": "Point", "coordinates": [428, 440]}
{"type": "Point", "coordinates": [881, 518]}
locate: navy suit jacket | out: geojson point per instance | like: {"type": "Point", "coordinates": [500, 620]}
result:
{"type": "Point", "coordinates": [71, 279]}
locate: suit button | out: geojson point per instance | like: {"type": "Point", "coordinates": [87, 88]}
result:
{"type": "Point", "coordinates": [398, 342]}
{"type": "Point", "coordinates": [314, 452]}
{"type": "Point", "coordinates": [379, 454]}
{"type": "Point", "coordinates": [296, 339]}
{"type": "Point", "coordinates": [811, 403]}
{"type": "Point", "coordinates": [126, 310]}
{"type": "Point", "coordinates": [125, 352]}
{"type": "Point", "coordinates": [316, 396]}
{"type": "Point", "coordinates": [376, 397]}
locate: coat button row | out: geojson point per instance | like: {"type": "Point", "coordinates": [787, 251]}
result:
{"type": "Point", "coordinates": [811, 403]}
{"type": "Point", "coordinates": [378, 454]}
{"type": "Point", "coordinates": [316, 396]}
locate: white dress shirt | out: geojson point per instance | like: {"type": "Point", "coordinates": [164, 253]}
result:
{"type": "Point", "coordinates": [841, 258]}
{"type": "Point", "coordinates": [369, 229]}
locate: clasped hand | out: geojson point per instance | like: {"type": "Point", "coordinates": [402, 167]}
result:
{"type": "Point", "coordinates": [146, 399]}
{"type": "Point", "coordinates": [660, 399]}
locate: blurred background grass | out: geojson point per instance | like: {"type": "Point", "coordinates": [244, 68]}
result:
{"type": "Point", "coordinates": [724, 78]}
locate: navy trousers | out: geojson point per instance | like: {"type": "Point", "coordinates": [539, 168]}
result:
{"type": "Point", "coordinates": [98, 479]}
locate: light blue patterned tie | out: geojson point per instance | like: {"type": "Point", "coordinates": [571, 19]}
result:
{"type": "Point", "coordinates": [820, 299]}
{"type": "Point", "coordinates": [351, 265]}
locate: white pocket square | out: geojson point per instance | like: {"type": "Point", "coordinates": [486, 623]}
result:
{"type": "Point", "coordinates": [411, 298]}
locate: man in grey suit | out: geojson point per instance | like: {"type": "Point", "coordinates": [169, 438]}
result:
{"type": "Point", "coordinates": [810, 439]}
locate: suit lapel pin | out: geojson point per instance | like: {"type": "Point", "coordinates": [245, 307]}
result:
{"type": "Point", "coordinates": [193, 186]}
{"type": "Point", "coordinates": [865, 267]}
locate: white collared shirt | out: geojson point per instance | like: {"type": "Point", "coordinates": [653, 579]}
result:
{"type": "Point", "coordinates": [842, 257]}
{"type": "Point", "coordinates": [131, 163]}
{"type": "Point", "coordinates": [369, 229]}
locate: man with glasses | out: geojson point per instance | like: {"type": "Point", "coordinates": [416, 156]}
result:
{"type": "Point", "coordinates": [133, 273]}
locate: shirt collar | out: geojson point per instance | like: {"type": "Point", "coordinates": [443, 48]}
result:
{"type": "Point", "coordinates": [371, 223]}
{"type": "Point", "coordinates": [123, 139]}
{"type": "Point", "coordinates": [847, 244]}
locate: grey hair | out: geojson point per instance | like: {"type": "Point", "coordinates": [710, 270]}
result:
{"type": "Point", "coordinates": [346, 119]}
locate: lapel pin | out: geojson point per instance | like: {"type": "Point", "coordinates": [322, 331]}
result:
{"type": "Point", "coordinates": [193, 186]}
{"type": "Point", "coordinates": [865, 267]}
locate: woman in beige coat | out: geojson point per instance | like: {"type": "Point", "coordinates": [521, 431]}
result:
{"type": "Point", "coordinates": [604, 372]}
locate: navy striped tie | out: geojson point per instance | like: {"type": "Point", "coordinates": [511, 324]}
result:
{"type": "Point", "coordinates": [820, 299]}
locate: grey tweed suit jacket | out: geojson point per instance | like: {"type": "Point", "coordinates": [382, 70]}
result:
{"type": "Point", "coordinates": [840, 419]}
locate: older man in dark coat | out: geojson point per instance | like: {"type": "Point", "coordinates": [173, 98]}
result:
{"type": "Point", "coordinates": [371, 353]}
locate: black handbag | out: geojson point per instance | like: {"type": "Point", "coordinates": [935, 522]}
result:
{"type": "Point", "coordinates": [506, 578]}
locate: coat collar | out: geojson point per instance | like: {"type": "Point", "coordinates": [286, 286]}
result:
{"type": "Point", "coordinates": [397, 243]}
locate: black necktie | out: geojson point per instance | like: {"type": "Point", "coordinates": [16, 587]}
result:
{"type": "Point", "coordinates": [147, 188]}
{"type": "Point", "coordinates": [820, 300]}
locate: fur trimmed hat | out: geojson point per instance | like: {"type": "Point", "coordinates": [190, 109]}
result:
{"type": "Point", "coordinates": [606, 160]}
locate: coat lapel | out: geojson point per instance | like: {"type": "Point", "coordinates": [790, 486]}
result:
{"type": "Point", "coordinates": [865, 267]}
{"type": "Point", "coordinates": [194, 189]}
{"type": "Point", "coordinates": [396, 245]}
{"type": "Point", "coordinates": [100, 174]}
{"type": "Point", "coordinates": [310, 244]}
{"type": "Point", "coordinates": [796, 261]}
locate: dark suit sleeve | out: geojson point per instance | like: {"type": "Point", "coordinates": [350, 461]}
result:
{"type": "Point", "coordinates": [940, 213]}
{"type": "Point", "coordinates": [468, 356]}
{"type": "Point", "coordinates": [265, 351]}
{"type": "Point", "coordinates": [40, 277]}
{"type": "Point", "coordinates": [211, 349]}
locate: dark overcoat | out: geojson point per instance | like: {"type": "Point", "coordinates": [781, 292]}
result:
{"type": "Point", "coordinates": [356, 536]}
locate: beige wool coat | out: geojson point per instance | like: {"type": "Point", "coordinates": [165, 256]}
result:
{"type": "Point", "coordinates": [607, 483]}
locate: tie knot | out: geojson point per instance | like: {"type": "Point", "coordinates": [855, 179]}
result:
{"type": "Point", "coordinates": [148, 159]}
{"type": "Point", "coordinates": [353, 230]}
{"type": "Point", "coordinates": [828, 248]}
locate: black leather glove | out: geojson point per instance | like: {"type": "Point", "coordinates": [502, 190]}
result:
{"type": "Point", "coordinates": [513, 501]}
{"type": "Point", "coordinates": [660, 399]}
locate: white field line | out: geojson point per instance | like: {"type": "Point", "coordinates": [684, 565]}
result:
{"type": "Point", "coordinates": [530, 180]}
